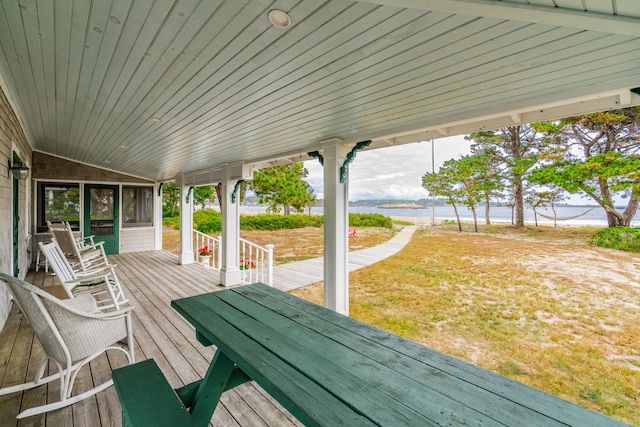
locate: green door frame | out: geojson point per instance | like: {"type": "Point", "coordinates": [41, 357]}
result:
{"type": "Point", "coordinates": [105, 229]}
{"type": "Point", "coordinates": [15, 229]}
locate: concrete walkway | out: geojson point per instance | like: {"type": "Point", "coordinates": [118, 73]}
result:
{"type": "Point", "coordinates": [297, 274]}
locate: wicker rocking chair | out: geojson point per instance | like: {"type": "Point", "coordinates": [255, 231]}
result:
{"type": "Point", "coordinates": [72, 333]}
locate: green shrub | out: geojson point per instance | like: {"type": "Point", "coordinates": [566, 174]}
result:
{"type": "Point", "coordinates": [623, 238]}
{"type": "Point", "coordinates": [207, 221]}
{"type": "Point", "coordinates": [277, 222]}
{"type": "Point", "coordinates": [172, 221]}
{"type": "Point", "coordinates": [369, 220]}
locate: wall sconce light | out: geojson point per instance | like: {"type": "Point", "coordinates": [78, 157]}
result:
{"type": "Point", "coordinates": [19, 170]}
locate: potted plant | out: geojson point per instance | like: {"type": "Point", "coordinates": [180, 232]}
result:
{"type": "Point", "coordinates": [246, 265]}
{"type": "Point", "coordinates": [205, 255]}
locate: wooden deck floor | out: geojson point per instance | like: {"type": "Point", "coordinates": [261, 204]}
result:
{"type": "Point", "coordinates": [152, 280]}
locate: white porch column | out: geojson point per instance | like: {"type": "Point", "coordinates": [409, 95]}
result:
{"type": "Point", "coordinates": [157, 216]}
{"type": "Point", "coordinates": [336, 223]}
{"type": "Point", "coordinates": [186, 223]}
{"type": "Point", "coordinates": [230, 273]}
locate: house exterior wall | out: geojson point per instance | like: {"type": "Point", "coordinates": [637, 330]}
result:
{"type": "Point", "coordinates": [12, 137]}
{"type": "Point", "coordinates": [56, 168]}
{"type": "Point", "coordinates": [47, 167]}
{"type": "Point", "coordinates": [137, 239]}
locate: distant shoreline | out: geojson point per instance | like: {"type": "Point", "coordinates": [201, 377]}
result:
{"type": "Point", "coordinates": [402, 206]}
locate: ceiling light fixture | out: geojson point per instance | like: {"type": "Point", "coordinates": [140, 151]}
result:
{"type": "Point", "coordinates": [279, 18]}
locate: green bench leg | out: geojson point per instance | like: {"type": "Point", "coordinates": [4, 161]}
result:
{"type": "Point", "coordinates": [212, 386]}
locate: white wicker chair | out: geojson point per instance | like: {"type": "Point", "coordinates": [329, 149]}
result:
{"type": "Point", "coordinates": [83, 252]}
{"type": "Point", "coordinates": [99, 281]}
{"type": "Point", "coordinates": [72, 333]}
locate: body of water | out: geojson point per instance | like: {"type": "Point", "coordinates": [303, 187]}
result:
{"type": "Point", "coordinates": [595, 216]}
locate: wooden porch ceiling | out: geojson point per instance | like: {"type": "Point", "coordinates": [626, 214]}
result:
{"type": "Point", "coordinates": [160, 87]}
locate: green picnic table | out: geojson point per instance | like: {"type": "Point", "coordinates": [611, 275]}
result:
{"type": "Point", "coordinates": [328, 369]}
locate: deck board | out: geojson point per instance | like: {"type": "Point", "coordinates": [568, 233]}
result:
{"type": "Point", "coordinates": [151, 280]}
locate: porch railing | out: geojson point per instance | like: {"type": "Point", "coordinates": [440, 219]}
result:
{"type": "Point", "coordinates": [214, 244]}
{"type": "Point", "coordinates": [256, 262]}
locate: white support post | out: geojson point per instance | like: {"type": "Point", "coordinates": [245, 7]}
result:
{"type": "Point", "coordinates": [270, 264]}
{"type": "Point", "coordinates": [230, 273]}
{"type": "Point", "coordinates": [186, 224]}
{"type": "Point", "coordinates": [336, 223]}
{"type": "Point", "coordinates": [157, 216]}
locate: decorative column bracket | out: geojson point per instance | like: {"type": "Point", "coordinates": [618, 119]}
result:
{"type": "Point", "coordinates": [189, 193]}
{"type": "Point", "coordinates": [160, 188]}
{"type": "Point", "coordinates": [235, 190]}
{"type": "Point", "coordinates": [344, 169]}
{"type": "Point", "coordinates": [317, 155]}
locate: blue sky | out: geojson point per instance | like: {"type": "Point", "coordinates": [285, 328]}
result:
{"type": "Point", "coordinates": [392, 172]}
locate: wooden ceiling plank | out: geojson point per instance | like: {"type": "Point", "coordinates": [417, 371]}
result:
{"type": "Point", "coordinates": [462, 102]}
{"type": "Point", "coordinates": [600, 6]}
{"type": "Point", "coordinates": [105, 67]}
{"type": "Point", "coordinates": [281, 87]}
{"type": "Point", "coordinates": [21, 69]}
{"type": "Point", "coordinates": [350, 121]}
{"type": "Point", "coordinates": [563, 17]}
{"type": "Point", "coordinates": [384, 77]}
{"type": "Point", "coordinates": [193, 21]}
{"type": "Point", "coordinates": [79, 18]}
{"type": "Point", "coordinates": [93, 39]}
{"type": "Point", "coordinates": [139, 31]}
{"type": "Point", "coordinates": [45, 41]}
{"type": "Point", "coordinates": [207, 83]}
{"type": "Point", "coordinates": [132, 121]}
{"type": "Point", "coordinates": [61, 35]}
{"type": "Point", "coordinates": [141, 61]}
{"type": "Point", "coordinates": [627, 8]}
{"type": "Point", "coordinates": [448, 66]}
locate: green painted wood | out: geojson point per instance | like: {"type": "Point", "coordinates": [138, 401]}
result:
{"type": "Point", "coordinates": [111, 240]}
{"type": "Point", "coordinates": [146, 397]}
{"type": "Point", "coordinates": [211, 388]}
{"type": "Point", "coordinates": [369, 388]}
{"type": "Point", "coordinates": [188, 392]}
{"type": "Point", "coordinates": [305, 399]}
{"type": "Point", "coordinates": [438, 369]}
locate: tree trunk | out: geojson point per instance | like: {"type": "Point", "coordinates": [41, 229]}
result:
{"type": "Point", "coordinates": [518, 196]}
{"type": "Point", "coordinates": [632, 208]}
{"type": "Point", "coordinates": [486, 208]}
{"type": "Point", "coordinates": [455, 209]}
{"type": "Point", "coordinates": [475, 219]}
{"type": "Point", "coordinates": [218, 188]}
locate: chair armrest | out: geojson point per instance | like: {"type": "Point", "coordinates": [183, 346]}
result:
{"type": "Point", "coordinates": [91, 246]}
{"type": "Point", "coordinates": [84, 303]}
{"type": "Point", "coordinates": [99, 277]}
{"type": "Point", "coordinates": [97, 271]}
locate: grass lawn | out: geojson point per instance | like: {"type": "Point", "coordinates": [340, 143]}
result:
{"type": "Point", "coordinates": [294, 245]}
{"type": "Point", "coordinates": [535, 304]}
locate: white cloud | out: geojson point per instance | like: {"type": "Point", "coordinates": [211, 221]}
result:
{"type": "Point", "coordinates": [392, 172]}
